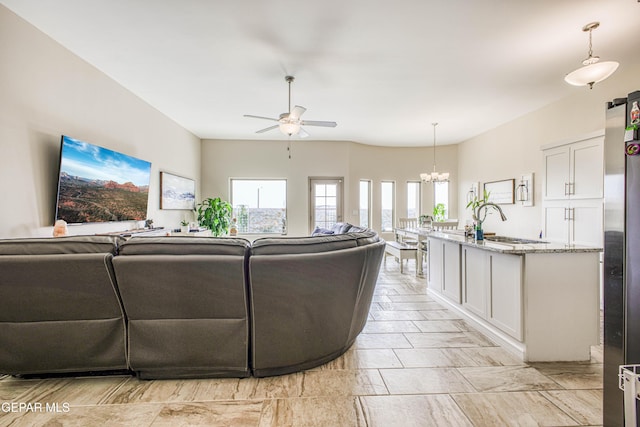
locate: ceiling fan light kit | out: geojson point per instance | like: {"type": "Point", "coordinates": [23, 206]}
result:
{"type": "Point", "coordinates": [592, 70]}
{"type": "Point", "coordinates": [290, 123]}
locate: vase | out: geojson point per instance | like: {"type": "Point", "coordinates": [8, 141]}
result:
{"type": "Point", "coordinates": [479, 233]}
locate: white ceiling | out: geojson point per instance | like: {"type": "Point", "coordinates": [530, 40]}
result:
{"type": "Point", "coordinates": [383, 69]}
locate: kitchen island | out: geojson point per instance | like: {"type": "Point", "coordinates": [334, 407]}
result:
{"type": "Point", "coordinates": [539, 300]}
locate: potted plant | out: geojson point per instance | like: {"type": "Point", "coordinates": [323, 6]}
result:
{"type": "Point", "coordinates": [438, 212]}
{"type": "Point", "coordinates": [184, 226]}
{"type": "Point", "coordinates": [425, 220]}
{"type": "Point", "coordinates": [474, 204]}
{"type": "Point", "coordinates": [215, 215]}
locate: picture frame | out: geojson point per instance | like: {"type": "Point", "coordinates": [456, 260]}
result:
{"type": "Point", "coordinates": [177, 192]}
{"type": "Point", "coordinates": [501, 192]}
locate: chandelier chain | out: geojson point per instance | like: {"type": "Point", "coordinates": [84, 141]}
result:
{"type": "Point", "coordinates": [434, 145]}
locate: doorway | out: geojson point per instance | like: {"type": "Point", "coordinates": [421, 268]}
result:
{"type": "Point", "coordinates": [325, 202]}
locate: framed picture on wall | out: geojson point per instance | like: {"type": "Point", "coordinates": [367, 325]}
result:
{"type": "Point", "coordinates": [177, 192]}
{"type": "Point", "coordinates": [500, 192]}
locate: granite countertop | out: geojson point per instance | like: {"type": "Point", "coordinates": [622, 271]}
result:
{"type": "Point", "coordinates": [510, 248]}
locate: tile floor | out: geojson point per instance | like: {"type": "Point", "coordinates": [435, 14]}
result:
{"type": "Point", "coordinates": [415, 364]}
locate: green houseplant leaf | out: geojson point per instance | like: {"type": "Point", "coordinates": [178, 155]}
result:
{"type": "Point", "coordinates": [438, 212]}
{"type": "Point", "coordinates": [215, 214]}
{"type": "Point", "coordinates": [473, 204]}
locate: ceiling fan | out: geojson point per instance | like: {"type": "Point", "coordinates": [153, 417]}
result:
{"type": "Point", "coordinates": [290, 123]}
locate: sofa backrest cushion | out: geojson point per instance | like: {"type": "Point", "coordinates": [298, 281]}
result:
{"type": "Point", "coordinates": [302, 245]}
{"type": "Point", "coordinates": [178, 245]}
{"type": "Point", "coordinates": [365, 237]}
{"type": "Point", "coordinates": [61, 245]}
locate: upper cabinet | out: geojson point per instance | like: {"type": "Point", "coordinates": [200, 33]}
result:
{"type": "Point", "coordinates": [574, 171]}
{"type": "Point", "coordinates": [572, 191]}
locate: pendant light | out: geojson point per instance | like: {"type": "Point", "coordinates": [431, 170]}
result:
{"type": "Point", "coordinates": [592, 71]}
{"type": "Point", "coordinates": [434, 176]}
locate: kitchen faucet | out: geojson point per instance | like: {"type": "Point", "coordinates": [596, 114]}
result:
{"type": "Point", "coordinates": [485, 206]}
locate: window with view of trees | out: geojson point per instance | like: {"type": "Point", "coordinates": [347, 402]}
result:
{"type": "Point", "coordinates": [441, 195]}
{"type": "Point", "coordinates": [260, 205]}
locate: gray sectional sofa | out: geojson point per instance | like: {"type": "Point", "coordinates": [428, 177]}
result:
{"type": "Point", "coordinates": [183, 307]}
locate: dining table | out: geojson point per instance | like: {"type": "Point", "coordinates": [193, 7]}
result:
{"type": "Point", "coordinates": [420, 235]}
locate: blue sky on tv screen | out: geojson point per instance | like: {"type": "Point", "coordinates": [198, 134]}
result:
{"type": "Point", "coordinates": [90, 161]}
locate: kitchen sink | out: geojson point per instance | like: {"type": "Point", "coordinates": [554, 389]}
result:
{"type": "Point", "coordinates": [512, 240]}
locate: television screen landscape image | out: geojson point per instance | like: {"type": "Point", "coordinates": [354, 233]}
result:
{"type": "Point", "coordinates": [100, 185]}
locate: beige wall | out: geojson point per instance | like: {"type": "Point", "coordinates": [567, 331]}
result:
{"type": "Point", "coordinates": [515, 147]}
{"type": "Point", "coordinates": [46, 91]}
{"type": "Point", "coordinates": [222, 160]}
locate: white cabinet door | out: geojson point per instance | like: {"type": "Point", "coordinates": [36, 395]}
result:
{"type": "Point", "coordinates": [576, 222]}
{"type": "Point", "coordinates": [556, 168]}
{"type": "Point", "coordinates": [505, 290]}
{"type": "Point", "coordinates": [556, 222]}
{"type": "Point", "coordinates": [451, 287]}
{"type": "Point", "coordinates": [574, 171]}
{"type": "Point", "coordinates": [475, 280]}
{"type": "Point", "coordinates": [587, 169]}
{"type": "Point", "coordinates": [586, 223]}
{"type": "Point", "coordinates": [435, 253]}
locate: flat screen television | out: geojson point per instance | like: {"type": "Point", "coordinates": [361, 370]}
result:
{"type": "Point", "coordinates": [96, 184]}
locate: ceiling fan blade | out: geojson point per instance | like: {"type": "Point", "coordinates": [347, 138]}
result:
{"type": "Point", "coordinates": [303, 133]}
{"type": "Point", "coordinates": [318, 123]}
{"type": "Point", "coordinates": [260, 117]}
{"type": "Point", "coordinates": [268, 129]}
{"type": "Point", "coordinates": [297, 112]}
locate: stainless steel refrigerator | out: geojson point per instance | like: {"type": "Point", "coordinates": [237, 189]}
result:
{"type": "Point", "coordinates": [621, 284]}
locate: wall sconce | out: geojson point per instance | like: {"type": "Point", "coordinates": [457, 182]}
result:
{"type": "Point", "coordinates": [524, 190]}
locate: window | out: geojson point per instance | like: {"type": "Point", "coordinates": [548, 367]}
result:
{"type": "Point", "coordinates": [413, 199]}
{"type": "Point", "coordinates": [365, 203]}
{"type": "Point", "coordinates": [441, 195]}
{"type": "Point", "coordinates": [260, 205]}
{"type": "Point", "coordinates": [387, 201]}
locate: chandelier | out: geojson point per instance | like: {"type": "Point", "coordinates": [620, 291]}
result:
{"type": "Point", "coordinates": [592, 71]}
{"type": "Point", "coordinates": [434, 176]}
